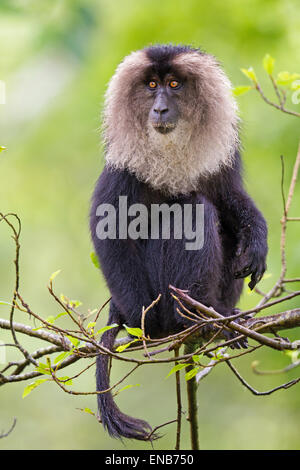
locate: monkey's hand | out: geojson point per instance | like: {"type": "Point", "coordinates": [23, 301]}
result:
{"type": "Point", "coordinates": [250, 256]}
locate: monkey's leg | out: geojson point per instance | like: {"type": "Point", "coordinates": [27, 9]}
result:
{"type": "Point", "coordinates": [210, 273]}
{"type": "Point", "coordinates": [122, 259]}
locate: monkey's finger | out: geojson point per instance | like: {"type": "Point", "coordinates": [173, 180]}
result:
{"type": "Point", "coordinates": [256, 277]}
{"type": "Point", "coordinates": [244, 272]}
{"type": "Point", "coordinates": [240, 344]}
{"type": "Point", "coordinates": [242, 247]}
{"type": "Point", "coordinates": [253, 282]}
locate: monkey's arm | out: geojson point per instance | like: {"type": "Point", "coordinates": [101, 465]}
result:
{"type": "Point", "coordinates": [122, 260]}
{"type": "Point", "coordinates": [238, 209]}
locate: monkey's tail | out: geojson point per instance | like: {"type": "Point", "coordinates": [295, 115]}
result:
{"type": "Point", "coordinates": [114, 421]}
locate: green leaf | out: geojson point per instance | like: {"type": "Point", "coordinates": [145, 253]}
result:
{"type": "Point", "coordinates": [43, 369]}
{"type": "Point", "coordinates": [241, 90]}
{"type": "Point", "coordinates": [38, 328]}
{"type": "Point", "coordinates": [106, 328]}
{"type": "Point", "coordinates": [191, 373]}
{"type": "Point", "coordinates": [62, 356]}
{"type": "Point", "coordinates": [71, 303]}
{"type": "Point", "coordinates": [250, 74]}
{"type": "Point", "coordinates": [32, 386]}
{"type": "Point", "coordinates": [5, 303]}
{"type": "Point", "coordinates": [87, 410]}
{"type": "Point", "coordinates": [64, 299]}
{"type": "Point", "coordinates": [268, 63]}
{"type": "Point", "coordinates": [66, 380]}
{"type": "Point", "coordinates": [286, 78]}
{"type": "Point", "coordinates": [75, 303]}
{"type": "Point", "coordinates": [74, 341]}
{"type": "Point", "coordinates": [293, 355]}
{"type": "Point", "coordinates": [126, 388]}
{"type": "Point", "coordinates": [91, 324]}
{"type": "Point", "coordinates": [134, 331]}
{"type": "Point", "coordinates": [53, 276]}
{"type": "Point", "coordinates": [197, 357]}
{"type": "Point", "coordinates": [2, 148]}
{"type": "Point", "coordinates": [50, 319]}
{"type": "Point", "coordinates": [61, 315]}
{"type": "Point", "coordinates": [95, 260]}
{"type": "Point", "coordinates": [125, 346]}
{"type": "Point", "coordinates": [177, 368]}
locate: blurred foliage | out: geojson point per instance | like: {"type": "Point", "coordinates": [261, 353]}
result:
{"type": "Point", "coordinates": [47, 176]}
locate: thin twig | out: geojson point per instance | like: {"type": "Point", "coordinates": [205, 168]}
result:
{"type": "Point", "coordinates": [255, 392]}
{"type": "Point", "coordinates": [192, 404]}
{"type": "Point", "coordinates": [5, 434]}
{"type": "Point", "coordinates": [179, 404]}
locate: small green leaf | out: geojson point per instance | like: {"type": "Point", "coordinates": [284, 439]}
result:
{"type": "Point", "coordinates": [177, 368]}
{"type": "Point", "coordinates": [2, 148]}
{"type": "Point", "coordinates": [61, 315]}
{"type": "Point", "coordinates": [241, 90]}
{"type": "Point", "coordinates": [50, 319]}
{"type": "Point", "coordinates": [126, 388]}
{"type": "Point", "coordinates": [43, 369]}
{"type": "Point", "coordinates": [268, 63]}
{"type": "Point", "coordinates": [87, 410]}
{"type": "Point", "coordinates": [125, 346]}
{"type": "Point", "coordinates": [106, 328]}
{"type": "Point", "coordinates": [32, 386]}
{"type": "Point", "coordinates": [71, 303]}
{"type": "Point", "coordinates": [62, 356]}
{"type": "Point", "coordinates": [66, 380]}
{"type": "Point", "coordinates": [286, 78]}
{"type": "Point", "coordinates": [293, 355]}
{"type": "Point", "coordinates": [191, 373]}
{"type": "Point", "coordinates": [53, 276]}
{"type": "Point", "coordinates": [5, 303]}
{"type": "Point", "coordinates": [250, 74]}
{"type": "Point", "coordinates": [197, 357]}
{"type": "Point", "coordinates": [74, 341]}
{"type": "Point", "coordinates": [134, 331]}
{"type": "Point", "coordinates": [75, 303]}
{"type": "Point", "coordinates": [91, 324]}
{"type": "Point", "coordinates": [38, 328]}
{"type": "Point", "coordinates": [95, 260]}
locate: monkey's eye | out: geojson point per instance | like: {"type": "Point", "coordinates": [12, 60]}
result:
{"type": "Point", "coordinates": [152, 84]}
{"type": "Point", "coordinates": [174, 84]}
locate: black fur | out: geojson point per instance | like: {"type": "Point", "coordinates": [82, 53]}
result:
{"type": "Point", "coordinates": [161, 57]}
{"type": "Point", "coordinates": [136, 271]}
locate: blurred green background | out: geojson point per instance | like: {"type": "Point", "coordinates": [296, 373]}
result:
{"type": "Point", "coordinates": [56, 59]}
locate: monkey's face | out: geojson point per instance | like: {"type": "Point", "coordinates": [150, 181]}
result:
{"type": "Point", "coordinates": [165, 94]}
{"type": "Point", "coordinates": [169, 117]}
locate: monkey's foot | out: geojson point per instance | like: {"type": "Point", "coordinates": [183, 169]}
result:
{"type": "Point", "coordinates": [242, 343]}
{"type": "Point", "coordinates": [207, 331]}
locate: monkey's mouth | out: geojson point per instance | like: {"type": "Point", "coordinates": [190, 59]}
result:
{"type": "Point", "coordinates": [164, 127]}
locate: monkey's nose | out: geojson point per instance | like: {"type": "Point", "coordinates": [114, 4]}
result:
{"type": "Point", "coordinates": [161, 110]}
